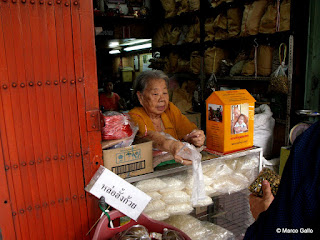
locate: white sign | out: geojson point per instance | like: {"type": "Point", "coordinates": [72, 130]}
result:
{"type": "Point", "coordinates": [118, 193]}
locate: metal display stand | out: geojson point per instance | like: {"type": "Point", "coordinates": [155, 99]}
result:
{"type": "Point", "coordinates": [229, 211]}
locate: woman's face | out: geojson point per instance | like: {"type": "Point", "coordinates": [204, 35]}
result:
{"type": "Point", "coordinates": [155, 97]}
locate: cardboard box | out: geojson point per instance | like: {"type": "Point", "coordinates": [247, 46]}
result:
{"type": "Point", "coordinates": [229, 120]}
{"type": "Point", "coordinates": [129, 161]}
{"type": "Point", "coordinates": [195, 118]}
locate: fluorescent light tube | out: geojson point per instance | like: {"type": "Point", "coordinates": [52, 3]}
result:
{"type": "Point", "coordinates": [114, 51]}
{"type": "Point", "coordinates": [138, 47]}
{"type": "Point", "coordinates": [113, 44]}
{"type": "Point", "coordinates": [135, 42]}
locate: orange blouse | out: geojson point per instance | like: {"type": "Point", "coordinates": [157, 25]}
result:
{"type": "Point", "coordinates": [175, 123]}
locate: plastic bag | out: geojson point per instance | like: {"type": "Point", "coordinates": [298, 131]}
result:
{"type": "Point", "coordinates": [169, 234]}
{"type": "Point", "coordinates": [158, 215]}
{"type": "Point", "coordinates": [175, 197]}
{"type": "Point", "coordinates": [173, 184]}
{"type": "Point", "coordinates": [117, 126]}
{"type": "Point", "coordinates": [198, 230]}
{"type": "Point", "coordinates": [154, 195]}
{"type": "Point", "coordinates": [263, 129]}
{"type": "Point", "coordinates": [136, 232]}
{"type": "Point", "coordinates": [155, 205]}
{"type": "Point", "coordinates": [279, 80]}
{"type": "Point", "coordinates": [149, 185]}
{"type": "Point", "coordinates": [190, 152]}
{"type": "Point", "coordinates": [179, 209]}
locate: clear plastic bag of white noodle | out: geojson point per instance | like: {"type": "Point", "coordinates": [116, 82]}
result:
{"type": "Point", "coordinates": [154, 195]}
{"type": "Point", "coordinates": [175, 197]}
{"type": "Point", "coordinates": [190, 152]}
{"type": "Point", "coordinates": [173, 184]}
{"type": "Point", "coordinates": [179, 209]}
{"type": "Point", "coordinates": [155, 205]}
{"type": "Point", "coordinates": [158, 215]}
{"type": "Point", "coordinates": [149, 185]}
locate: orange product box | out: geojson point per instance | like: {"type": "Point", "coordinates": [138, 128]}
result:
{"type": "Point", "coordinates": [229, 120]}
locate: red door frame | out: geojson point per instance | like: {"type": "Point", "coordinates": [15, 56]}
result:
{"type": "Point", "coordinates": [49, 119]}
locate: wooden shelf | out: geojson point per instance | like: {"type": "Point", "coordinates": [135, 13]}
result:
{"type": "Point", "coordinates": [261, 38]}
{"type": "Point", "coordinates": [178, 48]}
{"type": "Point", "coordinates": [242, 78]}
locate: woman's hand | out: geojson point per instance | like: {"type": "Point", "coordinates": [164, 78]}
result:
{"type": "Point", "coordinates": [175, 147]}
{"type": "Point", "coordinates": [258, 204]}
{"type": "Point", "coordinates": [196, 137]}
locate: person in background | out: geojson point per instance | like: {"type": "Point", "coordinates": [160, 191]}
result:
{"type": "Point", "coordinates": [294, 212]}
{"type": "Point", "coordinates": [109, 100]}
{"type": "Point", "coordinates": [156, 115]}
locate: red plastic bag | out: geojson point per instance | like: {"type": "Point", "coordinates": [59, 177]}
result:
{"type": "Point", "coordinates": [116, 126]}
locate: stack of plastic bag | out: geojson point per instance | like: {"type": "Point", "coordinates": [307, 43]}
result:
{"type": "Point", "coordinates": [198, 230]}
{"type": "Point", "coordinates": [118, 130]}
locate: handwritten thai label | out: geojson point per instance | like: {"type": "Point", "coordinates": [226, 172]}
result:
{"type": "Point", "coordinates": [118, 193]}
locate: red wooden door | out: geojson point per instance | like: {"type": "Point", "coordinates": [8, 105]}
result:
{"type": "Point", "coordinates": [49, 119]}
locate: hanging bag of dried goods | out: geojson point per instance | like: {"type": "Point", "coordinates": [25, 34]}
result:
{"type": "Point", "coordinates": [173, 60]}
{"type": "Point", "coordinates": [194, 32]}
{"type": "Point", "coordinates": [269, 19]}
{"type": "Point", "coordinates": [220, 24]}
{"type": "Point", "coordinates": [182, 6]}
{"type": "Point", "coordinates": [209, 29]}
{"type": "Point", "coordinates": [279, 80]}
{"type": "Point", "coordinates": [264, 60]}
{"type": "Point", "coordinates": [248, 68]}
{"type": "Point", "coordinates": [169, 7]}
{"type": "Point", "coordinates": [285, 16]}
{"type": "Point", "coordinates": [252, 16]}
{"type": "Point", "coordinates": [167, 66]}
{"type": "Point", "coordinates": [216, 3]}
{"type": "Point", "coordinates": [195, 62]}
{"type": "Point", "coordinates": [159, 37]}
{"type": "Point", "coordinates": [234, 16]}
{"type": "Point", "coordinates": [212, 58]}
{"type": "Point", "coordinates": [194, 5]}
{"type": "Point", "coordinates": [173, 35]}
{"type": "Point", "coordinates": [183, 65]}
{"type": "Point", "coordinates": [220, 21]}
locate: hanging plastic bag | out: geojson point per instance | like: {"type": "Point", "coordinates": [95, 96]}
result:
{"type": "Point", "coordinates": [279, 80]}
{"type": "Point", "coordinates": [198, 191]}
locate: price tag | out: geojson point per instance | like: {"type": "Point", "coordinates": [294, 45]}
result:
{"type": "Point", "coordinates": [118, 193]}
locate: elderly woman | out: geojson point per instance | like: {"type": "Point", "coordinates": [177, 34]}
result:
{"type": "Point", "coordinates": [157, 115]}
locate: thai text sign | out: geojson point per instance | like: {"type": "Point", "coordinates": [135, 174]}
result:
{"type": "Point", "coordinates": [118, 193]}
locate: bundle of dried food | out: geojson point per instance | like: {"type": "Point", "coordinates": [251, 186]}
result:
{"type": "Point", "coordinates": [269, 175]}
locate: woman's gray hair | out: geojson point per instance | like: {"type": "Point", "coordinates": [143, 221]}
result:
{"type": "Point", "coordinates": [143, 79]}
